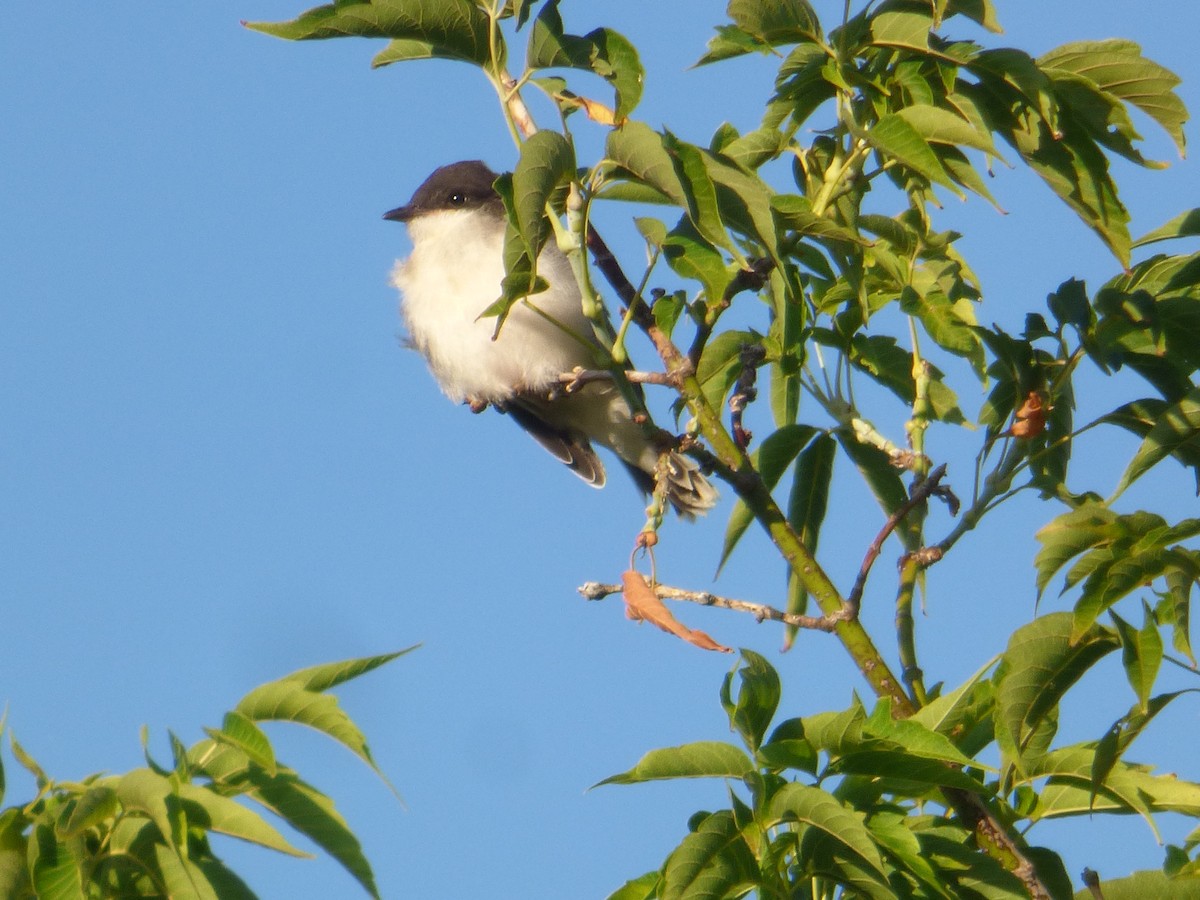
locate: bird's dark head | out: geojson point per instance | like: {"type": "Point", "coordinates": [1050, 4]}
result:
{"type": "Point", "coordinates": [460, 185]}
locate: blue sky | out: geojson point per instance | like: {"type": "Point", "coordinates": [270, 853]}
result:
{"type": "Point", "coordinates": [219, 464]}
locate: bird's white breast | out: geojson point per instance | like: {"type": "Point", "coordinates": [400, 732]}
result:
{"type": "Point", "coordinates": [452, 276]}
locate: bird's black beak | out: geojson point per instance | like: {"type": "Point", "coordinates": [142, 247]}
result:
{"type": "Point", "coordinates": [399, 214]}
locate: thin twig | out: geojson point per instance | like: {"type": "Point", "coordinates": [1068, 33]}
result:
{"type": "Point", "coordinates": [594, 590]}
{"type": "Point", "coordinates": [577, 378]}
{"type": "Point", "coordinates": [745, 280]}
{"type": "Point", "coordinates": [919, 495]}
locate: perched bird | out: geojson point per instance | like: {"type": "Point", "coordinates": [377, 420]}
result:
{"type": "Point", "coordinates": [456, 222]}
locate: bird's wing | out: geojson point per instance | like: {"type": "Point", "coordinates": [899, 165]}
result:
{"type": "Point", "coordinates": [569, 446]}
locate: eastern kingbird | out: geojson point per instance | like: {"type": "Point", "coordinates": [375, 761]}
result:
{"type": "Point", "coordinates": [457, 223]}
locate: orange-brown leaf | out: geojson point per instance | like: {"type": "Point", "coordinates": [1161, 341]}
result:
{"type": "Point", "coordinates": [642, 604]}
{"type": "Point", "coordinates": [1030, 419]}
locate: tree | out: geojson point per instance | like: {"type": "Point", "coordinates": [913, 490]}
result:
{"type": "Point", "coordinates": [147, 833]}
{"type": "Point", "coordinates": [893, 796]}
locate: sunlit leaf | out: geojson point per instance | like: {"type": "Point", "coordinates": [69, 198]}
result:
{"type": "Point", "coordinates": [147, 792]}
{"type": "Point", "coordinates": [312, 814]}
{"type": "Point", "coordinates": [1118, 66]}
{"type": "Point", "coordinates": [213, 812]}
{"type": "Point", "coordinates": [713, 861]}
{"type": "Point", "coordinates": [897, 140]}
{"type": "Point", "coordinates": [241, 732]}
{"type": "Point", "coordinates": [97, 804]}
{"type": "Point", "coordinates": [818, 809]}
{"type": "Point", "coordinates": [1141, 654]}
{"type": "Point", "coordinates": [53, 869]}
{"type": "Point", "coordinates": [1175, 433]}
{"type": "Point", "coordinates": [453, 29]}
{"type": "Point", "coordinates": [702, 759]}
{"type": "Point", "coordinates": [771, 460]}
{"type": "Point", "coordinates": [1183, 225]}
{"type": "Point", "coordinates": [758, 697]}
{"type": "Point", "coordinates": [1039, 665]}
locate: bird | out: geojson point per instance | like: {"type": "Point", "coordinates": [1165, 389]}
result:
{"type": "Point", "coordinates": [456, 223]}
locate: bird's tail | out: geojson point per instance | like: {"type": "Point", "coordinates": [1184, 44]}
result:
{"type": "Point", "coordinates": [688, 490]}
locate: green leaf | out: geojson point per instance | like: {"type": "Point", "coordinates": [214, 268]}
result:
{"type": "Point", "coordinates": [638, 150]}
{"type": "Point", "coordinates": [753, 149]}
{"type": "Point", "coordinates": [616, 61]}
{"type": "Point", "coordinates": [788, 748]}
{"type": "Point", "coordinates": [1069, 535]}
{"type": "Point", "coordinates": [941, 126]}
{"type": "Point", "coordinates": [1183, 225]}
{"type": "Point", "coordinates": [951, 323]}
{"type": "Point", "coordinates": [450, 29]}
{"type": "Point", "coordinates": [821, 810]}
{"type": "Point", "coordinates": [1145, 884]}
{"type": "Point", "coordinates": [148, 792]}
{"type": "Point", "coordinates": [760, 25]}
{"type": "Point", "coordinates": [713, 861]}
{"type": "Point", "coordinates": [902, 26]}
{"type": "Point", "coordinates": [327, 675]}
{"type": "Point", "coordinates": [1118, 738]}
{"type": "Point", "coordinates": [1069, 305]}
{"type": "Point", "coordinates": [807, 504]}
{"type": "Point", "coordinates": [702, 759]}
{"type": "Point", "coordinates": [875, 466]}
{"type": "Point", "coordinates": [213, 812]}
{"type": "Point", "coordinates": [897, 140]}
{"type": "Point", "coordinates": [53, 869]}
{"type": "Point", "coordinates": [1127, 788]}
{"type": "Point", "coordinates": [890, 830]}
{"type": "Point", "coordinates": [27, 762]}
{"type": "Point", "coordinates": [898, 766]}
{"type": "Point", "coordinates": [181, 877]}
{"type": "Point", "coordinates": [239, 731]}
{"type": "Point", "coordinates": [546, 163]}
{"type": "Point", "coordinates": [643, 888]}
{"type": "Point", "coordinates": [1039, 665]}
{"type": "Point", "coordinates": [758, 698]}
{"type": "Point", "coordinates": [1141, 654]}
{"type": "Point", "coordinates": [96, 804]}
{"type": "Point", "coordinates": [289, 701]}
{"type": "Point", "coordinates": [1118, 67]}
{"type": "Point", "coordinates": [958, 713]}
{"type": "Point", "coordinates": [745, 202]}
{"type": "Point", "coordinates": [1175, 433]}
{"type": "Point", "coordinates": [771, 460]}
{"type": "Point", "coordinates": [702, 206]}
{"type": "Point", "coordinates": [721, 363]}
{"type": "Point", "coordinates": [602, 51]}
{"type": "Point", "coordinates": [550, 47]}
{"type": "Point", "coordinates": [691, 256]}
{"type": "Point", "coordinates": [776, 21]}
{"type": "Point", "coordinates": [914, 739]}
{"type": "Point", "coordinates": [312, 814]}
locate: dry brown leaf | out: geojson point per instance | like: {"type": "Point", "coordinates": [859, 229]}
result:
{"type": "Point", "coordinates": [598, 112]}
{"type": "Point", "coordinates": [642, 604]}
{"type": "Point", "coordinates": [1030, 419]}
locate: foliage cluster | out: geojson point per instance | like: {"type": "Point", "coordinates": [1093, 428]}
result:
{"type": "Point", "coordinates": [146, 833]}
{"type": "Point", "coordinates": [870, 120]}
{"type": "Point", "coordinates": [873, 119]}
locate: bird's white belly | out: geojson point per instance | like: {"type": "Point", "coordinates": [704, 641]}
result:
{"type": "Point", "coordinates": [455, 276]}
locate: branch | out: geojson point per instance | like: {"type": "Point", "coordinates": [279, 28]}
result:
{"type": "Point", "coordinates": [594, 590]}
{"type": "Point", "coordinates": [920, 494]}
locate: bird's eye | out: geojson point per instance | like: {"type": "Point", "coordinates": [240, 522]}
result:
{"type": "Point", "coordinates": [457, 199]}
